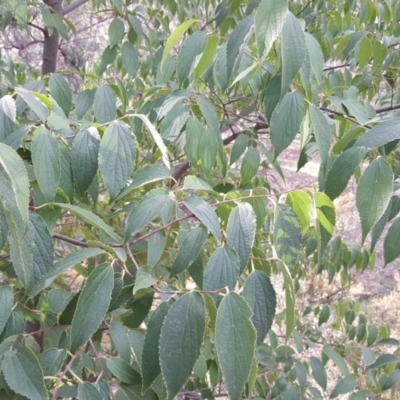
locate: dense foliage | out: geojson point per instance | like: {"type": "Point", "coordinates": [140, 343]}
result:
{"type": "Point", "coordinates": [146, 247]}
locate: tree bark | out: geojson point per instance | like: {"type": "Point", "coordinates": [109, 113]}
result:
{"type": "Point", "coordinates": [50, 46]}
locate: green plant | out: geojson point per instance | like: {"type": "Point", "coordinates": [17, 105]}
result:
{"type": "Point", "coordinates": [143, 209]}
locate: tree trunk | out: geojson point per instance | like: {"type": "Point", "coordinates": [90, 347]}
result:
{"type": "Point", "coordinates": [50, 46]}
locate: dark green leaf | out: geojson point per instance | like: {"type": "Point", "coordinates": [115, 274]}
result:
{"type": "Point", "coordinates": [36, 105]}
{"type": "Point", "coordinates": [83, 102]}
{"type": "Point", "coordinates": [337, 359]}
{"type": "Point", "coordinates": [144, 279]}
{"type": "Point", "coordinates": [290, 298]}
{"type": "Point", "coordinates": [272, 96]}
{"type": "Point", "coordinates": [391, 380]}
{"type": "Point", "coordinates": [391, 246]}
{"type": "Point", "coordinates": [383, 360]}
{"type": "Point", "coordinates": [384, 133]}
{"type": "Point", "coordinates": [52, 360]}
{"type": "Point", "coordinates": [235, 340]}
{"type": "Point", "coordinates": [260, 295]}
{"type": "Point", "coordinates": [87, 391]}
{"type": "Point", "coordinates": [122, 370]}
{"type": "Point", "coordinates": [250, 163]}
{"type": "Point", "coordinates": [116, 31]}
{"type": "Point", "coordinates": [322, 131]}
{"type": "Point", "coordinates": [121, 340]}
{"type": "Point", "coordinates": [61, 92]}
{"type": "Point", "coordinates": [344, 386]}
{"type": "Point", "coordinates": [130, 58]}
{"type": "Point", "coordinates": [156, 243]}
{"type": "Point", "coordinates": [6, 303]}
{"type": "Point", "coordinates": [92, 305]}
{"type": "Point", "coordinates": [238, 147]}
{"type": "Point", "coordinates": [104, 103]}
{"type": "Point", "coordinates": [184, 324]}
{"type": "Point", "coordinates": [318, 372]}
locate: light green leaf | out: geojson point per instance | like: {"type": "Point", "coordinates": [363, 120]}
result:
{"type": "Point", "coordinates": [391, 248]}
{"type": "Point", "coordinates": [61, 92]}
{"type": "Point", "coordinates": [318, 372]}
{"type": "Point", "coordinates": [326, 220]}
{"type": "Point", "coordinates": [322, 131]}
{"type": "Point", "coordinates": [194, 183]}
{"type": "Point", "coordinates": [237, 42]}
{"type": "Point", "coordinates": [374, 190]}
{"type": "Point", "coordinates": [250, 163]}
{"type": "Point", "coordinates": [85, 152]}
{"type": "Point", "coordinates": [316, 55]}
{"type": "Point", "coordinates": [260, 295]}
{"type": "Point", "coordinates": [23, 373]}
{"type": "Point", "coordinates": [386, 132]}
{"type": "Point", "coordinates": [222, 271]}
{"type": "Point", "coordinates": [189, 250]}
{"type": "Point", "coordinates": [17, 177]}
{"type": "Point", "coordinates": [46, 162]}
{"type": "Point", "coordinates": [104, 103]}
{"type": "Point", "coordinates": [150, 355]}
{"type": "Point", "coordinates": [238, 148]}
{"type": "Point", "coordinates": [337, 359]}
{"type": "Point", "coordinates": [116, 31]}
{"type": "Point", "coordinates": [36, 105]}
{"type": "Point", "coordinates": [207, 56]}
{"type": "Point", "coordinates": [204, 212]}
{"type": "Point", "coordinates": [300, 201]}
{"type": "Point", "coordinates": [6, 303]}
{"type": "Point", "coordinates": [345, 385]}
{"type": "Point", "coordinates": [286, 120]}
{"type": "Point", "coordinates": [83, 102]}
{"type": "Point", "coordinates": [130, 58]}
{"type": "Point", "coordinates": [116, 156]}
{"type": "Point", "coordinates": [293, 50]}
{"type": "Point", "coordinates": [122, 370]}
{"type": "Point", "coordinates": [241, 231]}
{"type": "Point", "coordinates": [184, 324]}
{"type": "Point", "coordinates": [157, 138]}
{"type": "Point", "coordinates": [91, 219]}
{"type": "Point", "coordinates": [86, 391]}
{"type": "Point", "coordinates": [175, 36]}
{"type": "Point", "coordinates": [145, 211]}
{"type": "Point", "coordinates": [92, 305]}
{"type": "Point", "coordinates": [269, 20]}
{"type": "Point", "coordinates": [287, 234]}
{"type": "Point", "coordinates": [144, 279]}
{"type": "Point", "coordinates": [290, 297]}
{"type": "Point", "coordinates": [342, 170]}
{"type": "Point", "coordinates": [235, 340]}
{"type": "Point", "coordinates": [356, 108]}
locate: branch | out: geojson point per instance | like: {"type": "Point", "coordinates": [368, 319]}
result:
{"type": "Point", "coordinates": [43, 30]}
{"type": "Point", "coordinates": [336, 67]}
{"type": "Point", "coordinates": [76, 242]}
{"type": "Point", "coordinates": [72, 6]}
{"type": "Point", "coordinates": [387, 108]}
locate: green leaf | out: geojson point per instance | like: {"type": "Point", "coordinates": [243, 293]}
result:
{"type": "Point", "coordinates": [120, 340]}
{"type": "Point", "coordinates": [250, 163]}
{"type": "Point", "coordinates": [85, 153]}
{"type": "Point", "coordinates": [222, 271]}
{"type": "Point", "coordinates": [345, 385]}
{"type": "Point", "coordinates": [86, 391]}
{"type": "Point", "coordinates": [144, 279]}
{"type": "Point", "coordinates": [300, 201]}
{"type": "Point", "coordinates": [65, 264]}
{"type": "Point", "coordinates": [241, 232]}
{"type": "Point", "coordinates": [194, 183]}
{"type": "Point", "coordinates": [385, 132]}
{"type": "Point", "coordinates": [151, 353]}
{"type": "Point", "coordinates": [36, 105]}
{"type": "Point", "coordinates": [46, 162]}
{"type": "Point", "coordinates": [122, 370]}
{"type": "Point", "coordinates": [175, 36]}
{"type": "Point", "coordinates": [156, 243]}
{"type": "Point", "coordinates": [207, 56]}
{"type": "Point", "coordinates": [192, 47]}
{"type": "Point", "coordinates": [145, 211]}
{"type": "Point", "coordinates": [7, 117]}
{"type": "Point", "coordinates": [260, 295]}
{"type": "Point", "coordinates": [6, 303]}
{"type": "Point", "coordinates": [237, 42]}
{"type": "Point", "coordinates": [52, 360]}
{"type": "Point", "coordinates": [193, 134]}
{"type": "Point", "coordinates": [116, 31]}
{"type": "Point", "coordinates": [17, 177]}
{"type": "Point", "coordinates": [293, 49]}
{"type": "Point", "coordinates": [130, 58]}
{"type": "Point", "coordinates": [316, 55]}
{"type": "Point", "coordinates": [23, 373]}
{"type": "Point", "coordinates": [66, 180]}
{"type": "Point", "coordinates": [104, 103]}
{"type": "Point", "coordinates": [92, 305]}
{"type": "Point", "coordinates": [91, 219]}
{"type": "Point", "coordinates": [391, 248]}
{"type": "Point", "coordinates": [322, 131]}
{"type": "Point", "coordinates": [83, 102]}
{"type": "Point", "coordinates": [391, 380]}
{"type": "Point", "coordinates": [360, 395]}
{"type": "Point", "coordinates": [318, 372]}
{"type": "Point", "coordinates": [286, 120]}
{"type": "Point", "coordinates": [269, 20]}
{"type": "Point", "coordinates": [208, 150]}
{"type": "Point", "coordinates": [287, 234]}
{"type": "Point", "coordinates": [184, 324]}
{"type": "Point", "coordinates": [374, 190]}
{"type": "Point", "coordinates": [235, 340]}
{"type": "Point", "coordinates": [116, 156]}
{"type": "Point", "coordinates": [204, 212]}
{"type": "Point", "coordinates": [272, 95]}
{"type": "Point", "coordinates": [290, 297]}
{"type": "Point", "coordinates": [61, 92]}
{"type": "Point", "coordinates": [326, 220]}
{"type": "Point", "coordinates": [384, 359]}
{"type": "Point", "coordinates": [238, 148]}
{"type": "Point", "coordinates": [342, 169]}
{"type": "Point", "coordinates": [337, 359]}
{"type": "Point", "coordinates": [189, 250]}
{"type": "Point", "coordinates": [259, 202]}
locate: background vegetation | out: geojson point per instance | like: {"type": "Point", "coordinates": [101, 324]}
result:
{"type": "Point", "coordinates": [154, 242]}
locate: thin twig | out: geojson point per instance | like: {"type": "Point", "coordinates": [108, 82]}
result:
{"type": "Point", "coordinates": [69, 239]}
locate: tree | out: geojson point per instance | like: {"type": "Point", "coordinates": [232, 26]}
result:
{"type": "Point", "coordinates": [138, 210]}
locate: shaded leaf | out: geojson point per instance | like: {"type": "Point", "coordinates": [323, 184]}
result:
{"type": "Point", "coordinates": [104, 104]}
{"type": "Point", "coordinates": [345, 385]}
{"type": "Point", "coordinates": [318, 372]}
{"type": "Point", "coordinates": [61, 92]}
{"type": "Point", "coordinates": [391, 248]}
{"type": "Point", "coordinates": [35, 104]}
{"type": "Point", "coordinates": [322, 131]}
{"type": "Point", "coordinates": [250, 163]}
{"type": "Point", "coordinates": [326, 220]}
{"type": "Point", "coordinates": [6, 303]}
{"type": "Point", "coordinates": [130, 58]}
